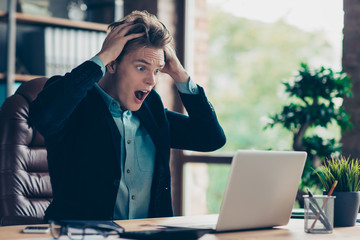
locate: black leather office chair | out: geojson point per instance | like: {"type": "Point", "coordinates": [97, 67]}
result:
{"type": "Point", "coordinates": [25, 189]}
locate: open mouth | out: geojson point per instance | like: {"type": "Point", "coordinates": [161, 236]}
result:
{"type": "Point", "coordinates": [141, 95]}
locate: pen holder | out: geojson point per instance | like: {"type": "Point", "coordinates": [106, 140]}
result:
{"type": "Point", "coordinates": [319, 214]}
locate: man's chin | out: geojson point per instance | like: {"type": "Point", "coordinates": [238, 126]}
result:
{"type": "Point", "coordinates": [133, 108]}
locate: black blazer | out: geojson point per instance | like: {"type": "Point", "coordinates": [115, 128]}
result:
{"type": "Point", "coordinates": [83, 143]}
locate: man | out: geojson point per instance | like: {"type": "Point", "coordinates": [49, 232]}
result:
{"type": "Point", "coordinates": [107, 133]}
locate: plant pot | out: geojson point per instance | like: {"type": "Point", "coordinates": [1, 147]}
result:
{"type": "Point", "coordinates": [346, 208]}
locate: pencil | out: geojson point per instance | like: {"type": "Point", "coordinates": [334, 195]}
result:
{"type": "Point", "coordinates": [324, 204]}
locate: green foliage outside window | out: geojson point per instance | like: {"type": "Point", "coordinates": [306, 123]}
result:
{"type": "Point", "coordinates": [248, 59]}
{"type": "Point", "coordinates": [316, 102]}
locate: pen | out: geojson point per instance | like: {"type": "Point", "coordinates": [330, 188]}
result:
{"type": "Point", "coordinates": [324, 204]}
{"type": "Point", "coordinates": [322, 217]}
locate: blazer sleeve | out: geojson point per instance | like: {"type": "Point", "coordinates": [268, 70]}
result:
{"type": "Point", "coordinates": [200, 130]}
{"type": "Point", "coordinates": [60, 96]}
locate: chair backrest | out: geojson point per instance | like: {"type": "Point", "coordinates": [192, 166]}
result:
{"type": "Point", "coordinates": [25, 189]}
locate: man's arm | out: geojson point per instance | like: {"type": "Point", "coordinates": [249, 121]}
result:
{"type": "Point", "coordinates": [61, 94]}
{"type": "Point", "coordinates": [200, 130]}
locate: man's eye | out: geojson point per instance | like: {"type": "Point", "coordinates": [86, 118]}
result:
{"type": "Point", "coordinates": [140, 68]}
{"type": "Point", "coordinates": [157, 71]}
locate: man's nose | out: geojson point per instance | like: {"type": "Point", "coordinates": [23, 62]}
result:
{"type": "Point", "coordinates": [151, 79]}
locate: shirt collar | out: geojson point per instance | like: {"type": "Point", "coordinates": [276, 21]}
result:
{"type": "Point", "coordinates": [111, 103]}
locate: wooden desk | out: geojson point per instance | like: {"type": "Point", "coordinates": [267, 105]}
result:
{"type": "Point", "coordinates": [294, 230]}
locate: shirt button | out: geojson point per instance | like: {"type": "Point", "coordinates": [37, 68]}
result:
{"type": "Point", "coordinates": [128, 141]}
{"type": "Point", "coordinates": [114, 104]}
{"type": "Point", "coordinates": [133, 197]}
{"type": "Point", "coordinates": [193, 90]}
{"type": "Point", "coordinates": [128, 171]}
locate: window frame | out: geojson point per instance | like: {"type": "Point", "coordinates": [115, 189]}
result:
{"type": "Point", "coordinates": [180, 157]}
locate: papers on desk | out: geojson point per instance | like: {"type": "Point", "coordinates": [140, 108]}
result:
{"type": "Point", "coordinates": [299, 213]}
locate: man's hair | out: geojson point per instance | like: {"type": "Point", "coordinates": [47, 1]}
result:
{"type": "Point", "coordinates": [156, 34]}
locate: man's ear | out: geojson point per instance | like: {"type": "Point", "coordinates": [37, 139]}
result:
{"type": "Point", "coordinates": [111, 67]}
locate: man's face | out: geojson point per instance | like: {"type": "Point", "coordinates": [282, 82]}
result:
{"type": "Point", "coordinates": [135, 75]}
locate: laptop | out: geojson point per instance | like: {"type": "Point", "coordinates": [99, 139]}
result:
{"type": "Point", "coordinates": [260, 191]}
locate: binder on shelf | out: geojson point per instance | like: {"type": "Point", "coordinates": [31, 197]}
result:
{"type": "Point", "coordinates": [49, 54]}
{"type": "Point", "coordinates": [72, 48]}
{"type": "Point", "coordinates": [55, 51]}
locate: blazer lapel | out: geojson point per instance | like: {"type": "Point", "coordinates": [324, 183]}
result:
{"type": "Point", "coordinates": [102, 110]}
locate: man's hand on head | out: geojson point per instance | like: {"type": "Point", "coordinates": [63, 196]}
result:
{"type": "Point", "coordinates": [173, 66]}
{"type": "Point", "coordinates": [115, 41]}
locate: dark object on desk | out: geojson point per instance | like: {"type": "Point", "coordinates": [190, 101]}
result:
{"type": "Point", "coordinates": [91, 223]}
{"type": "Point", "coordinates": [105, 228]}
{"type": "Point", "coordinates": [25, 189]}
{"type": "Point", "coordinates": [167, 233]}
{"type": "Point", "coordinates": [72, 228]}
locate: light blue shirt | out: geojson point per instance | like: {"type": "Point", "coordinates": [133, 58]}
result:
{"type": "Point", "coordinates": [136, 161]}
{"type": "Point", "coordinates": [137, 156]}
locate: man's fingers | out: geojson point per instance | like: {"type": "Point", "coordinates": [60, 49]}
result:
{"type": "Point", "coordinates": [169, 53]}
{"type": "Point", "coordinates": [116, 40]}
{"type": "Point", "coordinates": [133, 35]}
{"type": "Point", "coordinates": [123, 29]}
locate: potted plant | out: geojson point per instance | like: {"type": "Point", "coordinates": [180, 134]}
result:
{"type": "Point", "coordinates": [347, 172]}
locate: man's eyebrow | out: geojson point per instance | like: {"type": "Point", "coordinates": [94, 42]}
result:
{"type": "Point", "coordinates": [147, 63]}
{"type": "Point", "coordinates": [143, 61]}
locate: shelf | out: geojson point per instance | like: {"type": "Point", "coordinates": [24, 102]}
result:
{"type": "Point", "coordinates": [51, 21]}
{"type": "Point", "coordinates": [20, 77]}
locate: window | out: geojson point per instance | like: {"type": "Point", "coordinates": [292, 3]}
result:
{"type": "Point", "coordinates": [240, 51]}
